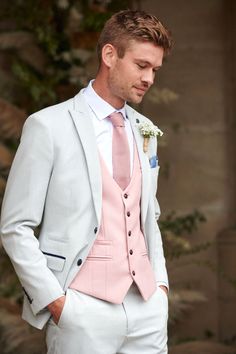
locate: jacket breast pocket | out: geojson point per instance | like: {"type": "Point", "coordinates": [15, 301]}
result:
{"type": "Point", "coordinates": [54, 261]}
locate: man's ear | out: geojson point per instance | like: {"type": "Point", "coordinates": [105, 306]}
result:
{"type": "Point", "coordinates": [109, 54]}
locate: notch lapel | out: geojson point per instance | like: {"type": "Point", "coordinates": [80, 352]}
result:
{"type": "Point", "coordinates": [83, 124]}
{"type": "Point", "coordinates": [143, 157]}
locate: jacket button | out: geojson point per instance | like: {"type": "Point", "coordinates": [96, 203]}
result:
{"type": "Point", "coordinates": [129, 233]}
{"type": "Point", "coordinates": [128, 213]}
{"type": "Point", "coordinates": [131, 252]}
{"type": "Point", "coordinates": [133, 273]}
{"type": "Point", "coordinates": [95, 230]}
{"type": "Point", "coordinates": [79, 262]}
{"type": "Point", "coordinates": [125, 195]}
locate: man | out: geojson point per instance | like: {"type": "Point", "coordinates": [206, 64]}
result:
{"type": "Point", "coordinates": [96, 275]}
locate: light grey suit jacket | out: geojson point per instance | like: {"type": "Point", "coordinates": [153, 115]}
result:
{"type": "Point", "coordinates": [55, 182]}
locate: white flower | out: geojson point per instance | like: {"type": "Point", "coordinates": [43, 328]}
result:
{"type": "Point", "coordinates": [149, 130]}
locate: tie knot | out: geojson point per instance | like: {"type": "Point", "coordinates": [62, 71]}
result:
{"type": "Point", "coordinates": [117, 119]}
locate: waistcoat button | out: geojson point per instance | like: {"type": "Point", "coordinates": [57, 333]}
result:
{"type": "Point", "coordinates": [133, 272]}
{"type": "Point", "coordinates": [131, 252]}
{"type": "Point", "coordinates": [125, 195]}
{"type": "Point", "coordinates": [129, 233]}
{"type": "Point", "coordinates": [128, 213]}
{"type": "Point", "coordinates": [79, 262]}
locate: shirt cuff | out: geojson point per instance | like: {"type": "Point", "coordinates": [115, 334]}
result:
{"type": "Point", "coordinates": [162, 283]}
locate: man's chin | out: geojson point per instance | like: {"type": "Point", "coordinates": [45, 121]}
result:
{"type": "Point", "coordinates": [135, 99]}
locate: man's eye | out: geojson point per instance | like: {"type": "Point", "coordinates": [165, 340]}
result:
{"type": "Point", "coordinates": [141, 66]}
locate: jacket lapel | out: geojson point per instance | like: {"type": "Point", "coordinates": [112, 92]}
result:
{"type": "Point", "coordinates": [83, 124]}
{"type": "Point", "coordinates": [134, 119]}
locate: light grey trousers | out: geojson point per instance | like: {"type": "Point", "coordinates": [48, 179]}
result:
{"type": "Point", "coordinates": [91, 326]}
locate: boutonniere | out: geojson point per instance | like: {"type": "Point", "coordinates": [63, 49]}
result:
{"type": "Point", "coordinates": [148, 130]}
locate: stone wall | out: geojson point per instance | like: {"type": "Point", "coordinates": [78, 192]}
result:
{"type": "Point", "coordinates": [196, 172]}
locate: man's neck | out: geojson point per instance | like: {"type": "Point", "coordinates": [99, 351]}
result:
{"type": "Point", "coordinates": [101, 88]}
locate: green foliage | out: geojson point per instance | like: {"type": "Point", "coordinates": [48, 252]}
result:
{"type": "Point", "coordinates": [94, 21]}
{"type": "Point", "coordinates": [180, 224]}
{"type": "Point", "coordinates": [174, 228]}
{"type": "Point", "coordinates": [50, 25]}
{"type": "Point", "coordinates": [40, 89]}
{"type": "Point", "coordinates": [44, 21]}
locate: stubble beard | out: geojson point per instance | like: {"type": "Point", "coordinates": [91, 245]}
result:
{"type": "Point", "coordinates": [135, 98]}
{"type": "Point", "coordinates": [124, 93]}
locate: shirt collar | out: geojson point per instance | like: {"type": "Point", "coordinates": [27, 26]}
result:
{"type": "Point", "coordinates": [99, 106]}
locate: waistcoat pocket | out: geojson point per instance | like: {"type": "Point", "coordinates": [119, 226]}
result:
{"type": "Point", "coordinates": [101, 250]}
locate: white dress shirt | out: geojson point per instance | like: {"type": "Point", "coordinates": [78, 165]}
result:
{"type": "Point", "coordinates": [103, 128]}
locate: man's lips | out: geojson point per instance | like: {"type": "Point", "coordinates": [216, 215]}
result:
{"type": "Point", "coordinates": [141, 89]}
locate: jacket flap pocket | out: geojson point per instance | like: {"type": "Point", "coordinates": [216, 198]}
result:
{"type": "Point", "coordinates": [55, 262]}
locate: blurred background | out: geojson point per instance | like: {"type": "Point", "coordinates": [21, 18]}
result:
{"type": "Point", "coordinates": [47, 53]}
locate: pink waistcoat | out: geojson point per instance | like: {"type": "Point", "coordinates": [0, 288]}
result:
{"type": "Point", "coordinates": [119, 254]}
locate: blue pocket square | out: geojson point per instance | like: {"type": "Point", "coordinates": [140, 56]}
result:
{"type": "Point", "coordinates": [153, 161]}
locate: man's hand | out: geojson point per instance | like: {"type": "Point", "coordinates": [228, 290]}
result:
{"type": "Point", "coordinates": [56, 308]}
{"type": "Point", "coordinates": [164, 288]}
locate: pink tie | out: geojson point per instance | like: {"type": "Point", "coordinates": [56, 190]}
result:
{"type": "Point", "coordinates": [120, 151]}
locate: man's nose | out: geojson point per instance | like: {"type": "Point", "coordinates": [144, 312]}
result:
{"type": "Point", "coordinates": [148, 77]}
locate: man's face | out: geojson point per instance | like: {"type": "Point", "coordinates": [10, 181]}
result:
{"type": "Point", "coordinates": [131, 76]}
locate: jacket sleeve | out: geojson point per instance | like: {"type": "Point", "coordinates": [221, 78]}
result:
{"type": "Point", "coordinates": [22, 211]}
{"type": "Point", "coordinates": [159, 258]}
